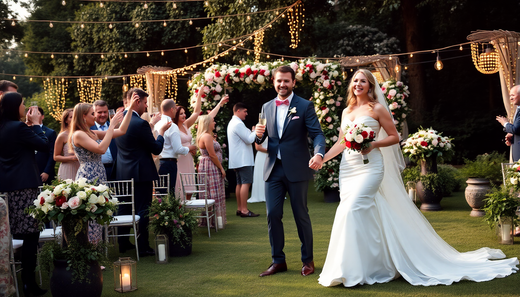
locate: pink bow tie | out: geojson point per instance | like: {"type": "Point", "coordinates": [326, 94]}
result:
{"type": "Point", "coordinates": [280, 102]}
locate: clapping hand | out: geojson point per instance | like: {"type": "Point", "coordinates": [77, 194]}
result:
{"type": "Point", "coordinates": [224, 100]}
{"type": "Point", "coordinates": [502, 120]}
{"type": "Point", "coordinates": [33, 116]}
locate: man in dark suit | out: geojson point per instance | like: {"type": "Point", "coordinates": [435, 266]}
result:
{"type": "Point", "coordinates": [513, 130]}
{"type": "Point", "coordinates": [109, 158]}
{"type": "Point", "coordinates": [290, 121]}
{"type": "Point", "coordinates": [45, 160]}
{"type": "Point", "coordinates": [134, 160]}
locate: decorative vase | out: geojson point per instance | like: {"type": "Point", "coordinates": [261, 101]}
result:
{"type": "Point", "coordinates": [61, 283]}
{"type": "Point", "coordinates": [429, 200]}
{"type": "Point", "coordinates": [177, 250]}
{"type": "Point", "coordinates": [475, 194]}
{"type": "Point", "coordinates": [331, 195]}
{"type": "Point", "coordinates": [506, 230]}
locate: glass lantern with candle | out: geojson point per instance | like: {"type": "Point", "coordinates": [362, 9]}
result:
{"type": "Point", "coordinates": [506, 230]}
{"type": "Point", "coordinates": [410, 186]}
{"type": "Point", "coordinates": [161, 248]}
{"type": "Point", "coordinates": [125, 276]}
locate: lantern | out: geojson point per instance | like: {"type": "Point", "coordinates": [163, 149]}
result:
{"type": "Point", "coordinates": [161, 247]}
{"type": "Point", "coordinates": [410, 186]}
{"type": "Point", "coordinates": [485, 58]}
{"type": "Point", "coordinates": [506, 230]}
{"type": "Point", "coordinates": [125, 276]}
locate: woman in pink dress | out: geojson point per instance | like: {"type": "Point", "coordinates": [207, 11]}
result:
{"type": "Point", "coordinates": [69, 163]}
{"type": "Point", "coordinates": [185, 164]}
{"type": "Point", "coordinates": [211, 164]}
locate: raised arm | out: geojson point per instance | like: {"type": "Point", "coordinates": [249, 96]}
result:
{"type": "Point", "coordinates": [126, 120]}
{"type": "Point", "coordinates": [196, 111]}
{"type": "Point", "coordinates": [215, 110]}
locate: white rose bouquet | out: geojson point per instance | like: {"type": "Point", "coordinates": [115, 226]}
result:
{"type": "Point", "coordinates": [358, 137]}
{"type": "Point", "coordinates": [427, 143]}
{"type": "Point", "coordinates": [74, 200]}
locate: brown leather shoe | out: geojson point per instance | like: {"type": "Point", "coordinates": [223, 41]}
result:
{"type": "Point", "coordinates": [308, 268]}
{"type": "Point", "coordinates": [275, 268]}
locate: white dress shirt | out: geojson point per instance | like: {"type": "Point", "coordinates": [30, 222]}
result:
{"type": "Point", "coordinates": [240, 139]}
{"type": "Point", "coordinates": [281, 115]}
{"type": "Point", "coordinates": [172, 140]}
{"type": "Point", "coordinates": [106, 158]}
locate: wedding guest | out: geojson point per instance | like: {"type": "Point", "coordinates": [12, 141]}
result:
{"type": "Point", "coordinates": [241, 157]}
{"type": "Point", "coordinates": [211, 164]}
{"type": "Point", "coordinates": [69, 163]}
{"type": "Point", "coordinates": [46, 161]}
{"type": "Point", "coordinates": [258, 191]}
{"type": "Point", "coordinates": [513, 129]}
{"type": "Point", "coordinates": [173, 147]}
{"type": "Point", "coordinates": [185, 163]}
{"type": "Point", "coordinates": [291, 120]}
{"type": "Point", "coordinates": [20, 175]}
{"type": "Point", "coordinates": [7, 86]}
{"type": "Point", "coordinates": [134, 160]}
{"type": "Point", "coordinates": [102, 123]}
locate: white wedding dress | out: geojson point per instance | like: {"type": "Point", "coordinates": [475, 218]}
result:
{"type": "Point", "coordinates": [379, 234]}
{"type": "Point", "coordinates": [258, 191]}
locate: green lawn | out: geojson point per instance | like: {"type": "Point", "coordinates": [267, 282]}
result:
{"type": "Point", "coordinates": [228, 263]}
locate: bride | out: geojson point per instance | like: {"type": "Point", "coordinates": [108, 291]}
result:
{"type": "Point", "coordinates": [378, 233]}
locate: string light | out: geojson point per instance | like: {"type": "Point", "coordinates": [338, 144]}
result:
{"type": "Point", "coordinates": [110, 26]}
{"type": "Point", "coordinates": [89, 89]}
{"type": "Point", "coordinates": [296, 22]}
{"type": "Point", "coordinates": [259, 40]}
{"type": "Point", "coordinates": [76, 56]}
{"type": "Point", "coordinates": [485, 58]}
{"type": "Point", "coordinates": [126, 56]}
{"type": "Point", "coordinates": [162, 53]}
{"type": "Point", "coordinates": [52, 56]}
{"type": "Point", "coordinates": [55, 91]}
{"type": "Point", "coordinates": [63, 3]}
{"type": "Point", "coordinates": [191, 22]}
{"type": "Point", "coordinates": [147, 54]}
{"type": "Point", "coordinates": [100, 4]}
{"type": "Point", "coordinates": [102, 56]}
{"type": "Point", "coordinates": [164, 24]}
{"type": "Point", "coordinates": [51, 25]}
{"type": "Point", "coordinates": [82, 26]}
{"type": "Point", "coordinates": [438, 64]}
{"type": "Point", "coordinates": [185, 50]}
{"type": "Point", "coordinates": [26, 55]}
{"type": "Point", "coordinates": [13, 23]}
{"type": "Point", "coordinates": [460, 48]}
{"type": "Point", "coordinates": [145, 5]}
{"type": "Point", "coordinates": [411, 55]}
{"type": "Point", "coordinates": [174, 5]}
{"type": "Point", "coordinates": [137, 25]}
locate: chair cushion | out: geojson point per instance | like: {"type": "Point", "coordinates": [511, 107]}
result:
{"type": "Point", "coordinates": [199, 202]}
{"type": "Point", "coordinates": [124, 220]}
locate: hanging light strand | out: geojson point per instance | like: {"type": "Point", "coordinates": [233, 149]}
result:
{"type": "Point", "coordinates": [259, 40]}
{"type": "Point", "coordinates": [55, 92]}
{"type": "Point", "coordinates": [295, 20]}
{"type": "Point", "coordinates": [89, 89]}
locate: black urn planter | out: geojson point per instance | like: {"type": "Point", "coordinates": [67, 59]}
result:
{"type": "Point", "coordinates": [177, 250]}
{"type": "Point", "coordinates": [61, 283]}
{"type": "Point", "coordinates": [331, 196]}
{"type": "Point", "coordinates": [429, 200]}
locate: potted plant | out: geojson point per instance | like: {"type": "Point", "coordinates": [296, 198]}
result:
{"type": "Point", "coordinates": [427, 147]}
{"type": "Point", "coordinates": [481, 173]}
{"type": "Point", "coordinates": [500, 208]}
{"type": "Point", "coordinates": [76, 261]}
{"type": "Point", "coordinates": [169, 216]}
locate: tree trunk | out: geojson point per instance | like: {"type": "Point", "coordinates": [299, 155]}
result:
{"type": "Point", "coordinates": [415, 71]}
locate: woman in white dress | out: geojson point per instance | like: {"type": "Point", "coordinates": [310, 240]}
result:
{"type": "Point", "coordinates": [378, 233]}
{"type": "Point", "coordinates": [258, 191]}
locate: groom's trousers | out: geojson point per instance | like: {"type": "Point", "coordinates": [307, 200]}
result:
{"type": "Point", "coordinates": [276, 187]}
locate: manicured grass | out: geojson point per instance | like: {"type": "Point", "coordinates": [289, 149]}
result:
{"type": "Point", "coordinates": [228, 263]}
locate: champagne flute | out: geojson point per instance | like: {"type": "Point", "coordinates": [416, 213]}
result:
{"type": "Point", "coordinates": [261, 119]}
{"type": "Point", "coordinates": [111, 113]}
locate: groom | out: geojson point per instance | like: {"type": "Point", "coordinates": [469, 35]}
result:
{"type": "Point", "coordinates": [290, 121]}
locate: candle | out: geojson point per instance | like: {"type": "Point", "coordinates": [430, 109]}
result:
{"type": "Point", "coordinates": [506, 233]}
{"type": "Point", "coordinates": [219, 222]}
{"type": "Point", "coordinates": [162, 252]}
{"type": "Point", "coordinates": [126, 282]}
{"type": "Point", "coordinates": [411, 194]}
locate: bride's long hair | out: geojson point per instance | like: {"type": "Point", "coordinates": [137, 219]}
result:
{"type": "Point", "coordinates": [352, 99]}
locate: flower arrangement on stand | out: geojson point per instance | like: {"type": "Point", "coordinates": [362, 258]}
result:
{"type": "Point", "coordinates": [396, 95]}
{"type": "Point", "coordinates": [169, 216]}
{"type": "Point", "coordinates": [425, 147]}
{"type": "Point", "coordinates": [74, 204]}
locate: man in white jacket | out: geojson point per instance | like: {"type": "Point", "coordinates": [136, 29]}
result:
{"type": "Point", "coordinates": [241, 157]}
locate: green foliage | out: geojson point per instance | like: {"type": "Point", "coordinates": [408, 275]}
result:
{"type": "Point", "coordinates": [500, 202]}
{"type": "Point", "coordinates": [447, 180]}
{"type": "Point", "coordinates": [485, 166]}
{"type": "Point", "coordinates": [169, 216]}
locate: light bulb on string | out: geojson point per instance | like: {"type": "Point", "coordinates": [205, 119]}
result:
{"type": "Point", "coordinates": [137, 25]}
{"type": "Point", "coordinates": [82, 26]}
{"type": "Point", "coordinates": [268, 56]}
{"type": "Point", "coordinates": [185, 50]}
{"type": "Point", "coordinates": [191, 22]}
{"type": "Point", "coordinates": [126, 56]}
{"type": "Point", "coordinates": [411, 55]}
{"type": "Point", "coordinates": [13, 23]}
{"type": "Point", "coordinates": [30, 78]}
{"type": "Point", "coordinates": [147, 54]}
{"type": "Point", "coordinates": [63, 3]}
{"type": "Point", "coordinates": [162, 53]}
{"type": "Point", "coordinates": [51, 25]}
{"type": "Point", "coordinates": [100, 4]}
{"type": "Point", "coordinates": [14, 77]}
{"type": "Point", "coordinates": [110, 26]}
{"type": "Point", "coordinates": [26, 55]}
{"type": "Point", "coordinates": [438, 64]}
{"type": "Point", "coordinates": [76, 56]}
{"type": "Point", "coordinates": [52, 56]}
{"type": "Point", "coordinates": [397, 68]}
{"type": "Point", "coordinates": [145, 5]}
{"type": "Point", "coordinates": [460, 48]}
{"type": "Point", "coordinates": [164, 24]}
{"type": "Point", "coordinates": [282, 59]}
{"type": "Point", "coordinates": [174, 5]}
{"type": "Point", "coordinates": [102, 56]}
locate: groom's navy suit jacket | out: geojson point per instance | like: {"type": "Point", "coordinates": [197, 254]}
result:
{"type": "Point", "coordinates": [514, 129]}
{"type": "Point", "coordinates": [293, 144]}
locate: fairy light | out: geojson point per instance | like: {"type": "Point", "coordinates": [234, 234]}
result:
{"type": "Point", "coordinates": [63, 3]}
{"type": "Point", "coordinates": [52, 56]}
{"type": "Point", "coordinates": [186, 50]}
{"type": "Point", "coordinates": [137, 25]}
{"type": "Point", "coordinates": [14, 77]}
{"type": "Point", "coordinates": [259, 40]}
{"type": "Point", "coordinates": [295, 20]}
{"type": "Point", "coordinates": [191, 22]}
{"type": "Point", "coordinates": [126, 56]}
{"type": "Point", "coordinates": [30, 78]}
{"type": "Point", "coordinates": [26, 55]}
{"type": "Point", "coordinates": [100, 4]}
{"type": "Point", "coordinates": [164, 24]}
{"type": "Point", "coordinates": [102, 56]}
{"type": "Point", "coordinates": [174, 5]}
{"type": "Point", "coordinates": [485, 58]}
{"type": "Point", "coordinates": [147, 54]}
{"type": "Point", "coordinates": [51, 25]}
{"type": "Point", "coordinates": [89, 89]}
{"type": "Point", "coordinates": [55, 91]}
{"type": "Point", "coordinates": [76, 56]}
{"type": "Point", "coordinates": [82, 26]}
{"type": "Point", "coordinates": [411, 55]}
{"type": "Point", "coordinates": [13, 23]}
{"type": "Point", "coordinates": [145, 5]}
{"type": "Point", "coordinates": [162, 53]}
{"type": "Point", "coordinates": [460, 48]}
{"type": "Point", "coordinates": [110, 26]}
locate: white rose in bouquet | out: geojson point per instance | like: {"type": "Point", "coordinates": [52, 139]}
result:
{"type": "Point", "coordinates": [359, 139]}
{"type": "Point", "coordinates": [514, 180]}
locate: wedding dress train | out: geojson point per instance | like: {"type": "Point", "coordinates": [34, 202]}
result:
{"type": "Point", "coordinates": [379, 234]}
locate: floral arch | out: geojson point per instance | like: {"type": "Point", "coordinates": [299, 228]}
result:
{"type": "Point", "coordinates": [325, 80]}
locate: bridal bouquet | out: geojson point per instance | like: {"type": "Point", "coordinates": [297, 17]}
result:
{"type": "Point", "coordinates": [427, 143]}
{"type": "Point", "coordinates": [358, 137]}
{"type": "Point", "coordinates": [74, 200]}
